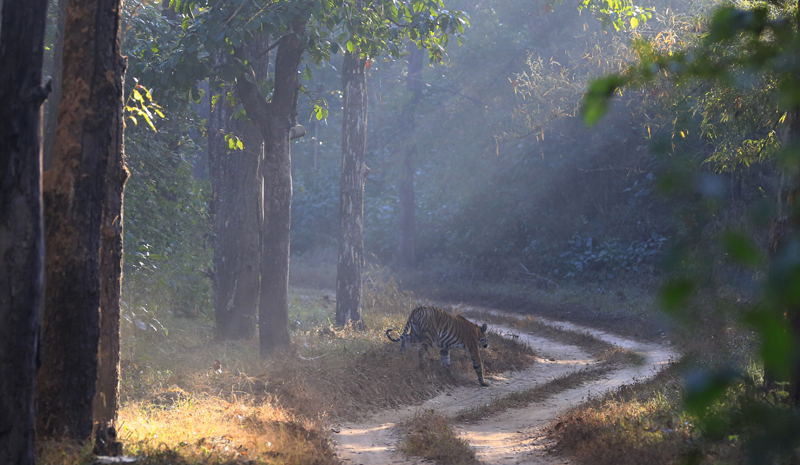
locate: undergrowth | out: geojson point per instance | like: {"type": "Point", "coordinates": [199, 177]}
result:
{"type": "Point", "coordinates": [188, 399]}
{"type": "Point", "coordinates": [648, 422]}
{"type": "Point", "coordinates": [430, 435]}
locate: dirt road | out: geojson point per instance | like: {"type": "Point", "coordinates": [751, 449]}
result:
{"type": "Point", "coordinates": [512, 437]}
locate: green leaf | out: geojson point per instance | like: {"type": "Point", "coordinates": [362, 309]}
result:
{"type": "Point", "coordinates": [634, 23]}
{"type": "Point", "coordinates": [777, 346]}
{"type": "Point", "coordinates": [741, 248]}
{"type": "Point", "coordinates": [703, 388]}
{"type": "Point", "coordinates": [675, 294]}
{"type": "Point", "coordinates": [595, 102]}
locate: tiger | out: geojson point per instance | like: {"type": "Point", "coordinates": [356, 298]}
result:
{"type": "Point", "coordinates": [432, 326]}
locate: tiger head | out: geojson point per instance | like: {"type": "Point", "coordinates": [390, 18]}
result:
{"type": "Point", "coordinates": [483, 337]}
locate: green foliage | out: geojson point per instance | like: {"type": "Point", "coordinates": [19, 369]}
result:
{"type": "Point", "coordinates": [621, 14]}
{"type": "Point", "coordinates": [140, 103]}
{"type": "Point", "coordinates": [327, 27]}
{"type": "Point", "coordinates": [743, 47]}
{"type": "Point", "coordinates": [166, 241]}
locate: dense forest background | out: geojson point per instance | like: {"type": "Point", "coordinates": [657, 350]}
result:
{"type": "Point", "coordinates": [594, 165]}
{"type": "Point", "coordinates": [509, 183]}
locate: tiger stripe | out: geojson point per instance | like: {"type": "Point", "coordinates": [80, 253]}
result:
{"type": "Point", "coordinates": [435, 327]}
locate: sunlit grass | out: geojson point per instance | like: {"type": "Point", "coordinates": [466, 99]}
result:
{"type": "Point", "coordinates": [430, 435]}
{"type": "Point", "coordinates": [190, 399]}
{"type": "Point", "coordinates": [212, 430]}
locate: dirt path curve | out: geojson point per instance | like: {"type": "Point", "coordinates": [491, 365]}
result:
{"type": "Point", "coordinates": [513, 437]}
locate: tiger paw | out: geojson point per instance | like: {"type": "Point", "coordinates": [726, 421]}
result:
{"type": "Point", "coordinates": [484, 383]}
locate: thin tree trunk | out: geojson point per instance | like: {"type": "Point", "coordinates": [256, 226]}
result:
{"type": "Point", "coordinates": [88, 136]}
{"type": "Point", "coordinates": [276, 121]}
{"type": "Point", "coordinates": [106, 398]}
{"type": "Point", "coordinates": [351, 199]}
{"type": "Point", "coordinates": [51, 108]}
{"type": "Point", "coordinates": [406, 253]}
{"type": "Point", "coordinates": [21, 225]}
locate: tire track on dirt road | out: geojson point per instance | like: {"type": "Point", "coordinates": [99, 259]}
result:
{"type": "Point", "coordinates": [514, 436]}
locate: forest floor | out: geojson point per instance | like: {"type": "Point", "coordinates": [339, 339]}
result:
{"type": "Point", "coordinates": [514, 433]}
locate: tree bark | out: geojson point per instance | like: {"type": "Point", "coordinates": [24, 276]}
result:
{"type": "Point", "coordinates": [276, 121]}
{"type": "Point", "coordinates": [237, 221]}
{"type": "Point", "coordinates": [88, 136]}
{"type": "Point", "coordinates": [106, 398]}
{"type": "Point", "coordinates": [351, 200]}
{"type": "Point", "coordinates": [51, 108]}
{"type": "Point", "coordinates": [406, 251]}
{"type": "Point", "coordinates": [21, 224]}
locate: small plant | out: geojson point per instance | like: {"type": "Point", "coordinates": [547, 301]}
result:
{"type": "Point", "coordinates": [430, 435]}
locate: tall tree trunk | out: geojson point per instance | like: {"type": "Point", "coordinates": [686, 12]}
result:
{"type": "Point", "coordinates": [237, 217]}
{"type": "Point", "coordinates": [88, 136]}
{"type": "Point", "coordinates": [239, 209]}
{"type": "Point", "coordinates": [21, 226]}
{"type": "Point", "coordinates": [406, 251]}
{"type": "Point", "coordinates": [351, 199]}
{"type": "Point", "coordinates": [276, 121]}
{"type": "Point", "coordinates": [51, 108]}
{"type": "Point", "coordinates": [106, 398]}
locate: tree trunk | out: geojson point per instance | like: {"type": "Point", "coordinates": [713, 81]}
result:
{"type": "Point", "coordinates": [88, 136]}
{"type": "Point", "coordinates": [51, 108]}
{"type": "Point", "coordinates": [21, 226]}
{"type": "Point", "coordinates": [237, 218]}
{"type": "Point", "coordinates": [351, 200]}
{"type": "Point", "coordinates": [406, 253]}
{"type": "Point", "coordinates": [106, 398]}
{"type": "Point", "coordinates": [276, 120]}
{"type": "Point", "coordinates": [239, 209]}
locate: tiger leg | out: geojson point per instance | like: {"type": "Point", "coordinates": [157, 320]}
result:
{"type": "Point", "coordinates": [477, 365]}
{"type": "Point", "coordinates": [444, 354]}
{"type": "Point", "coordinates": [423, 351]}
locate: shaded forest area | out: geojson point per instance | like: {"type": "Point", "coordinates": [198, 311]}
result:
{"type": "Point", "coordinates": [298, 175]}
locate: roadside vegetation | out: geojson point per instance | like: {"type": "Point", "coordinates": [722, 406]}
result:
{"type": "Point", "coordinates": [431, 435]}
{"type": "Point", "coordinates": [187, 399]}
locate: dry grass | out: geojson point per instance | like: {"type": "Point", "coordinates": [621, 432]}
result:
{"type": "Point", "coordinates": [63, 453]}
{"type": "Point", "coordinates": [430, 435]}
{"type": "Point", "coordinates": [639, 423]}
{"type": "Point", "coordinates": [187, 399]}
{"type": "Point", "coordinates": [646, 422]}
{"type": "Point", "coordinates": [212, 430]}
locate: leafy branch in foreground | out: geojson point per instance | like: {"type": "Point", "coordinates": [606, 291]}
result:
{"type": "Point", "coordinates": [743, 46]}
